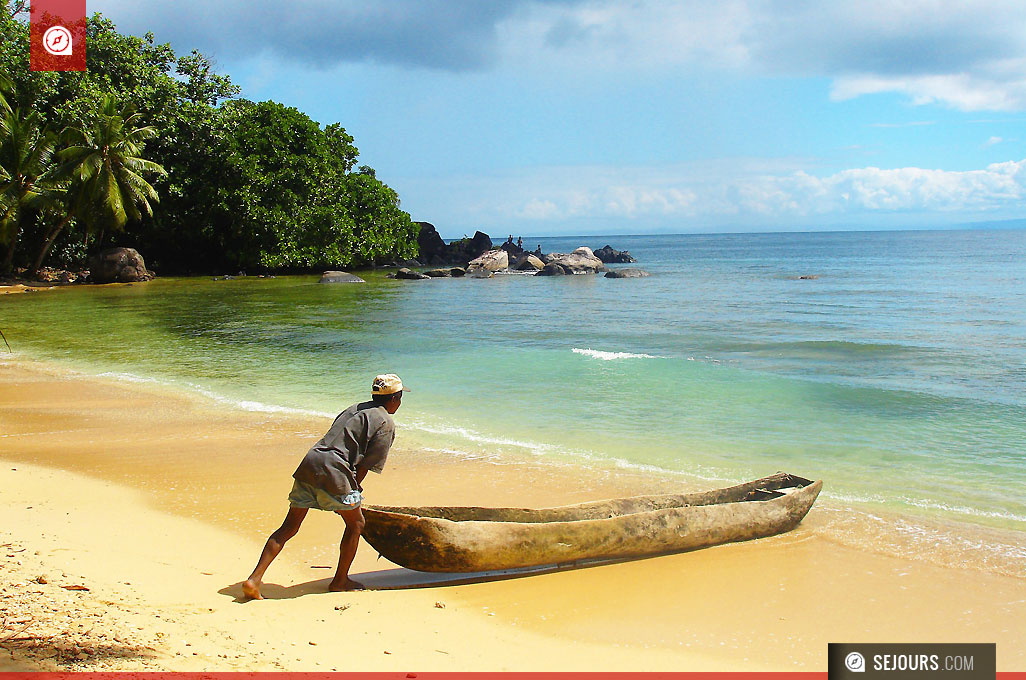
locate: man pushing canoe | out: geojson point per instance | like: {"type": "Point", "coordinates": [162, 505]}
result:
{"type": "Point", "coordinates": [330, 478]}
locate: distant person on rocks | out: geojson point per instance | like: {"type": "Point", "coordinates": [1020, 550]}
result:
{"type": "Point", "coordinates": [330, 478]}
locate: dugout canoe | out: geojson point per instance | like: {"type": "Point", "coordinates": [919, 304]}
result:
{"type": "Point", "coordinates": [471, 539]}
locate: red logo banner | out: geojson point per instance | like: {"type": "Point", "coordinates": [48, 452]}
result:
{"type": "Point", "coordinates": [57, 35]}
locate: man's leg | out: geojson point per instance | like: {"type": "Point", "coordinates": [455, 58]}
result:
{"type": "Point", "coordinates": [347, 551]}
{"type": "Point", "coordinates": [288, 529]}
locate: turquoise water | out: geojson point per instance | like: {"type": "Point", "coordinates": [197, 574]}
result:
{"type": "Point", "coordinates": [898, 375]}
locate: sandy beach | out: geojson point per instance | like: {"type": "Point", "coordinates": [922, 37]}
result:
{"type": "Point", "coordinates": [132, 513]}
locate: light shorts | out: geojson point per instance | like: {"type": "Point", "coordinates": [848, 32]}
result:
{"type": "Point", "coordinates": [304, 495]}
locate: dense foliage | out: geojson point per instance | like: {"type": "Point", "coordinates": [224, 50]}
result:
{"type": "Point", "coordinates": [209, 182]}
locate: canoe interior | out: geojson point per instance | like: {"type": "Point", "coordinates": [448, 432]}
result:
{"type": "Point", "coordinates": [764, 489]}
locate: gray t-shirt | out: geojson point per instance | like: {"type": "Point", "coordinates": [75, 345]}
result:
{"type": "Point", "coordinates": [360, 436]}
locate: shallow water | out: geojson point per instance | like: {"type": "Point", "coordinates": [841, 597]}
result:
{"type": "Point", "coordinates": [897, 375]}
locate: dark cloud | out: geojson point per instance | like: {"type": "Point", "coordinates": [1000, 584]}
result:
{"type": "Point", "coordinates": [442, 34]}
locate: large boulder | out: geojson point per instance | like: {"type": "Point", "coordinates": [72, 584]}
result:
{"type": "Point", "coordinates": [468, 249]}
{"type": "Point", "coordinates": [432, 248]}
{"type": "Point", "coordinates": [447, 272]}
{"type": "Point", "coordinates": [118, 265]}
{"type": "Point", "coordinates": [405, 273]}
{"type": "Point", "coordinates": [628, 273]}
{"type": "Point", "coordinates": [492, 261]}
{"type": "Point", "coordinates": [580, 261]}
{"type": "Point", "coordinates": [554, 269]}
{"type": "Point", "coordinates": [513, 250]}
{"type": "Point", "coordinates": [528, 262]}
{"type": "Point", "coordinates": [610, 256]}
{"type": "Point", "coordinates": [340, 277]}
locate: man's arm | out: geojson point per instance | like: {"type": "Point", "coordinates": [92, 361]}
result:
{"type": "Point", "coordinates": [361, 472]}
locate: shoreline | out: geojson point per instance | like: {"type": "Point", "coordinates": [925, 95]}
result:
{"type": "Point", "coordinates": [865, 525]}
{"type": "Point", "coordinates": [186, 465]}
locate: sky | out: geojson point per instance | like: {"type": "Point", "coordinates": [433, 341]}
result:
{"type": "Point", "coordinates": [549, 117]}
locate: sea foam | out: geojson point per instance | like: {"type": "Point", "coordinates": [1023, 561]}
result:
{"type": "Point", "coordinates": [610, 356]}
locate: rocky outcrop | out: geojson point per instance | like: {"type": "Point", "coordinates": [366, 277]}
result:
{"type": "Point", "coordinates": [450, 272]}
{"type": "Point", "coordinates": [118, 265]}
{"type": "Point", "coordinates": [410, 275]}
{"type": "Point", "coordinates": [432, 248]}
{"type": "Point", "coordinates": [554, 269]}
{"type": "Point", "coordinates": [492, 261]}
{"type": "Point", "coordinates": [580, 261]}
{"type": "Point", "coordinates": [628, 273]}
{"type": "Point", "coordinates": [434, 251]}
{"type": "Point", "coordinates": [465, 250]}
{"type": "Point", "coordinates": [528, 262]}
{"type": "Point", "coordinates": [610, 256]}
{"type": "Point", "coordinates": [340, 277]}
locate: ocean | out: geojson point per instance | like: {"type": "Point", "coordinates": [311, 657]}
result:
{"type": "Point", "coordinates": [895, 372]}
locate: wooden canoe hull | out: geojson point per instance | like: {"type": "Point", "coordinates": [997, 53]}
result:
{"type": "Point", "coordinates": [464, 540]}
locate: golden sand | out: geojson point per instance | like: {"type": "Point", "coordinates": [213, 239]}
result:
{"type": "Point", "coordinates": [159, 503]}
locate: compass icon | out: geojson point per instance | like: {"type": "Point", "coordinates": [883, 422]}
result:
{"type": "Point", "coordinates": [57, 41]}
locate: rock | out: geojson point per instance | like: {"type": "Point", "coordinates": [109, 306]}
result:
{"type": "Point", "coordinates": [468, 249]}
{"type": "Point", "coordinates": [808, 277]}
{"type": "Point", "coordinates": [340, 277]}
{"type": "Point", "coordinates": [513, 250]}
{"type": "Point", "coordinates": [410, 263]}
{"type": "Point", "coordinates": [121, 265]}
{"type": "Point", "coordinates": [439, 273]}
{"type": "Point", "coordinates": [629, 273]}
{"type": "Point", "coordinates": [492, 261]}
{"type": "Point", "coordinates": [480, 273]}
{"type": "Point", "coordinates": [458, 272]}
{"type": "Point", "coordinates": [528, 263]}
{"type": "Point", "coordinates": [409, 275]}
{"type": "Point", "coordinates": [608, 255]}
{"type": "Point", "coordinates": [580, 261]}
{"type": "Point", "coordinates": [553, 269]}
{"type": "Point", "coordinates": [432, 248]}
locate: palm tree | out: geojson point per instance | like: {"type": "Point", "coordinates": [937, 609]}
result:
{"type": "Point", "coordinates": [5, 85]}
{"type": "Point", "coordinates": [25, 152]}
{"type": "Point", "coordinates": [105, 169]}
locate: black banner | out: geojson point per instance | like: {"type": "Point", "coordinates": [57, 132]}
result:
{"type": "Point", "coordinates": [896, 661]}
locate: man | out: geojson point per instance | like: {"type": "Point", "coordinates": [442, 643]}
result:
{"type": "Point", "coordinates": [331, 475]}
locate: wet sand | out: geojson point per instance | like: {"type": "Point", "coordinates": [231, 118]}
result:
{"type": "Point", "coordinates": [159, 502]}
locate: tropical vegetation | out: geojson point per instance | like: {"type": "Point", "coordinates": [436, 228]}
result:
{"type": "Point", "coordinates": [155, 150]}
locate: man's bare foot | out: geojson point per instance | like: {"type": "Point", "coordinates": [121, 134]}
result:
{"type": "Point", "coordinates": [349, 584]}
{"type": "Point", "coordinates": [251, 589]}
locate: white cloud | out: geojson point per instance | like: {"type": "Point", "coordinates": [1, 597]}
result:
{"type": "Point", "coordinates": [970, 55]}
{"type": "Point", "coordinates": [980, 91]}
{"type": "Point", "coordinates": [710, 193]}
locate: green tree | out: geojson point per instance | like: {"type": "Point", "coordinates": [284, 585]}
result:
{"type": "Point", "coordinates": [25, 152]}
{"type": "Point", "coordinates": [106, 168]}
{"type": "Point", "coordinates": [246, 185]}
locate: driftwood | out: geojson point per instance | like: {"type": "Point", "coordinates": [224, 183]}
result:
{"type": "Point", "coordinates": [470, 539]}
